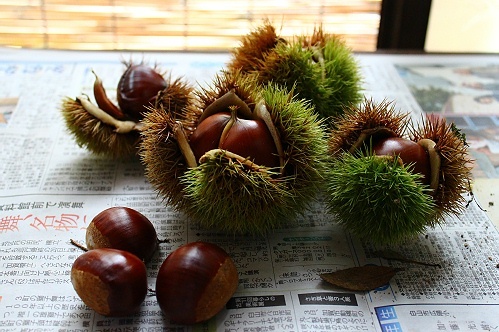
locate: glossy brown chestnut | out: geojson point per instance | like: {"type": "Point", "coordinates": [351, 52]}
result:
{"type": "Point", "coordinates": [409, 151]}
{"type": "Point", "coordinates": [195, 282]}
{"type": "Point", "coordinates": [248, 138]}
{"type": "Point", "coordinates": [207, 134]}
{"type": "Point", "coordinates": [138, 88]}
{"type": "Point", "coordinates": [252, 139]}
{"type": "Point", "coordinates": [123, 228]}
{"type": "Point", "coordinates": [112, 282]}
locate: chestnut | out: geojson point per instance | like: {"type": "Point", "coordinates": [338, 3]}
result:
{"type": "Point", "coordinates": [110, 281]}
{"type": "Point", "coordinates": [410, 152]}
{"type": "Point", "coordinates": [123, 228]}
{"type": "Point", "coordinates": [138, 88]}
{"type": "Point", "coordinates": [251, 138]}
{"type": "Point", "coordinates": [207, 135]}
{"type": "Point", "coordinates": [195, 282]}
{"type": "Point", "coordinates": [248, 138]}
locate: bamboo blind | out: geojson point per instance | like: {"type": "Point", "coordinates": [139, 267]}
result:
{"type": "Point", "coordinates": [189, 25]}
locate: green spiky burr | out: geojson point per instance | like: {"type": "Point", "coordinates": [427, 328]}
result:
{"type": "Point", "coordinates": [222, 187]}
{"type": "Point", "coordinates": [378, 199]}
{"type": "Point", "coordinates": [319, 67]}
{"type": "Point", "coordinates": [381, 195]}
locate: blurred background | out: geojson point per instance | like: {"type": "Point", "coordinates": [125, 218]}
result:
{"type": "Point", "coordinates": [217, 25]}
{"type": "Point", "coordinates": [192, 25]}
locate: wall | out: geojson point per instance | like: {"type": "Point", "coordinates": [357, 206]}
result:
{"type": "Point", "coordinates": [463, 26]}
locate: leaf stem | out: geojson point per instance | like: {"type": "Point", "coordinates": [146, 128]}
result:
{"type": "Point", "coordinates": [78, 245]}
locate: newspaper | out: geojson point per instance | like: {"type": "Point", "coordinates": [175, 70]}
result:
{"type": "Point", "coordinates": [50, 189]}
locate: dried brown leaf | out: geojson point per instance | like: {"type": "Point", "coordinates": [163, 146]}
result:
{"type": "Point", "coordinates": [362, 278]}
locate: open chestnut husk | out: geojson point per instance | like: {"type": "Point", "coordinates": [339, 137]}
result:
{"type": "Point", "coordinates": [110, 281]}
{"type": "Point", "coordinates": [113, 130]}
{"type": "Point", "coordinates": [195, 282]}
{"type": "Point", "coordinates": [390, 180]}
{"type": "Point", "coordinates": [123, 228]}
{"type": "Point", "coordinates": [317, 67]}
{"type": "Point", "coordinates": [240, 158]}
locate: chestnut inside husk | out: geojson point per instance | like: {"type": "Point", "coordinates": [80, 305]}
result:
{"type": "Point", "coordinates": [410, 153]}
{"type": "Point", "coordinates": [114, 131]}
{"type": "Point", "coordinates": [253, 183]}
{"type": "Point", "coordinates": [390, 180]}
{"type": "Point", "coordinates": [138, 88]}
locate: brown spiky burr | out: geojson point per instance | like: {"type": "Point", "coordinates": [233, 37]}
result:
{"type": "Point", "coordinates": [112, 130]}
{"type": "Point", "coordinates": [319, 68]}
{"type": "Point", "coordinates": [355, 127]}
{"type": "Point", "coordinates": [455, 167]}
{"type": "Point", "coordinates": [170, 113]}
{"type": "Point", "coordinates": [254, 47]}
{"type": "Point", "coordinates": [96, 136]}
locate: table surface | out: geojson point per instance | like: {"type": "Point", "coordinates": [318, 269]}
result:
{"type": "Point", "coordinates": [50, 189]}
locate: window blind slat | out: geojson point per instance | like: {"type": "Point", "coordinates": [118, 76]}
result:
{"type": "Point", "coordinates": [178, 25]}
